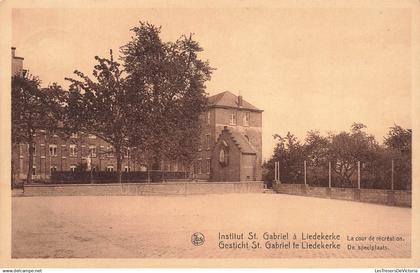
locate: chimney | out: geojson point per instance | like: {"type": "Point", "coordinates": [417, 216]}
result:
{"type": "Point", "coordinates": [13, 51]}
{"type": "Point", "coordinates": [240, 101]}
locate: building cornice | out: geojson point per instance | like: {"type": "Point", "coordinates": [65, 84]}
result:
{"type": "Point", "coordinates": [236, 108]}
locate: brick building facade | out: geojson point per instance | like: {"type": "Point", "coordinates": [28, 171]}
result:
{"type": "Point", "coordinates": [230, 145]}
{"type": "Point", "coordinates": [231, 126]}
{"type": "Point", "coordinates": [53, 153]}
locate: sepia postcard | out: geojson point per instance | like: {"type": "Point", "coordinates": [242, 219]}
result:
{"type": "Point", "coordinates": [209, 134]}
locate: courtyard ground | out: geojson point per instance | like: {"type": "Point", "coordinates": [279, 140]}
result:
{"type": "Point", "coordinates": [162, 227]}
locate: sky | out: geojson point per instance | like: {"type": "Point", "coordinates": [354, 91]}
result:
{"type": "Point", "coordinates": [308, 69]}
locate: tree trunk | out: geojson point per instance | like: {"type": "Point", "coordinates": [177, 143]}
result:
{"type": "Point", "coordinates": [119, 163]}
{"type": "Point", "coordinates": [155, 168]}
{"type": "Point", "coordinates": [30, 161]}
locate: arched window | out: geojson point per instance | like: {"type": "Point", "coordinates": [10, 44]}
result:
{"type": "Point", "coordinates": [224, 156]}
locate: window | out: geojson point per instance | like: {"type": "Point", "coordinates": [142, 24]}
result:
{"type": "Point", "coordinates": [73, 168]}
{"type": "Point", "coordinates": [232, 118]}
{"type": "Point", "coordinates": [246, 118]}
{"type": "Point", "coordinates": [53, 133]}
{"type": "Point", "coordinates": [21, 150]}
{"type": "Point", "coordinates": [42, 150]}
{"type": "Point", "coordinates": [109, 168]}
{"type": "Point", "coordinates": [33, 170]}
{"type": "Point", "coordinates": [208, 166]}
{"type": "Point", "coordinates": [127, 153]}
{"type": "Point", "coordinates": [101, 151]}
{"type": "Point", "coordinates": [53, 169]}
{"type": "Point", "coordinates": [208, 118]}
{"type": "Point", "coordinates": [74, 135]}
{"type": "Point", "coordinates": [91, 136]}
{"type": "Point", "coordinates": [33, 149]}
{"type": "Point", "coordinates": [208, 142]}
{"type": "Point", "coordinates": [73, 151]}
{"type": "Point", "coordinates": [92, 151]}
{"type": "Point", "coordinates": [223, 157]}
{"type": "Point", "coordinates": [53, 150]}
{"type": "Point", "coordinates": [127, 169]}
{"type": "Point", "coordinates": [110, 151]}
{"type": "Point", "coordinates": [199, 166]}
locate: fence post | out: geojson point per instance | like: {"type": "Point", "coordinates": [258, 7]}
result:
{"type": "Point", "coordinates": [329, 174]}
{"type": "Point", "coordinates": [392, 174]}
{"type": "Point", "coordinates": [358, 175]}
{"type": "Point", "coordinates": [304, 171]}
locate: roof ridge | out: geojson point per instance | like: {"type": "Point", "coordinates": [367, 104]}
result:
{"type": "Point", "coordinates": [230, 100]}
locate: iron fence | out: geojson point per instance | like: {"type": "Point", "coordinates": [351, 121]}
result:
{"type": "Point", "coordinates": [392, 175]}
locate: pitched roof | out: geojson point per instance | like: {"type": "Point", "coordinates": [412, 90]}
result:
{"type": "Point", "coordinates": [227, 99]}
{"type": "Point", "coordinates": [240, 140]}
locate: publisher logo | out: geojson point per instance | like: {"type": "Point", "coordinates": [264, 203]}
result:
{"type": "Point", "coordinates": [197, 239]}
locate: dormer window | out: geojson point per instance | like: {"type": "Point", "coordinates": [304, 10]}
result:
{"type": "Point", "coordinates": [232, 118]}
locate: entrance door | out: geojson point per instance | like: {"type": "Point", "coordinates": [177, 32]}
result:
{"type": "Point", "coordinates": [248, 167]}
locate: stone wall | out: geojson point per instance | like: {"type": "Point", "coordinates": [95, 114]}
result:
{"type": "Point", "coordinates": [343, 194]}
{"type": "Point", "coordinates": [168, 188]}
{"type": "Point", "coordinates": [317, 191]}
{"type": "Point", "coordinates": [386, 197]}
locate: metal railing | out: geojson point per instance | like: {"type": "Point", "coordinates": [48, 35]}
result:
{"type": "Point", "coordinates": [392, 175]}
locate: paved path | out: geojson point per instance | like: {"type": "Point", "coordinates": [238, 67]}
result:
{"type": "Point", "coordinates": [161, 226]}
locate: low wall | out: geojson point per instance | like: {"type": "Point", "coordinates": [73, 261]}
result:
{"type": "Point", "coordinates": [386, 197]}
{"type": "Point", "coordinates": [168, 188]}
{"type": "Point", "coordinates": [343, 194]}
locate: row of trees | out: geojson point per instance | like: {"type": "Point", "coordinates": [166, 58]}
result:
{"type": "Point", "coordinates": [150, 99]}
{"type": "Point", "coordinates": [344, 150]}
